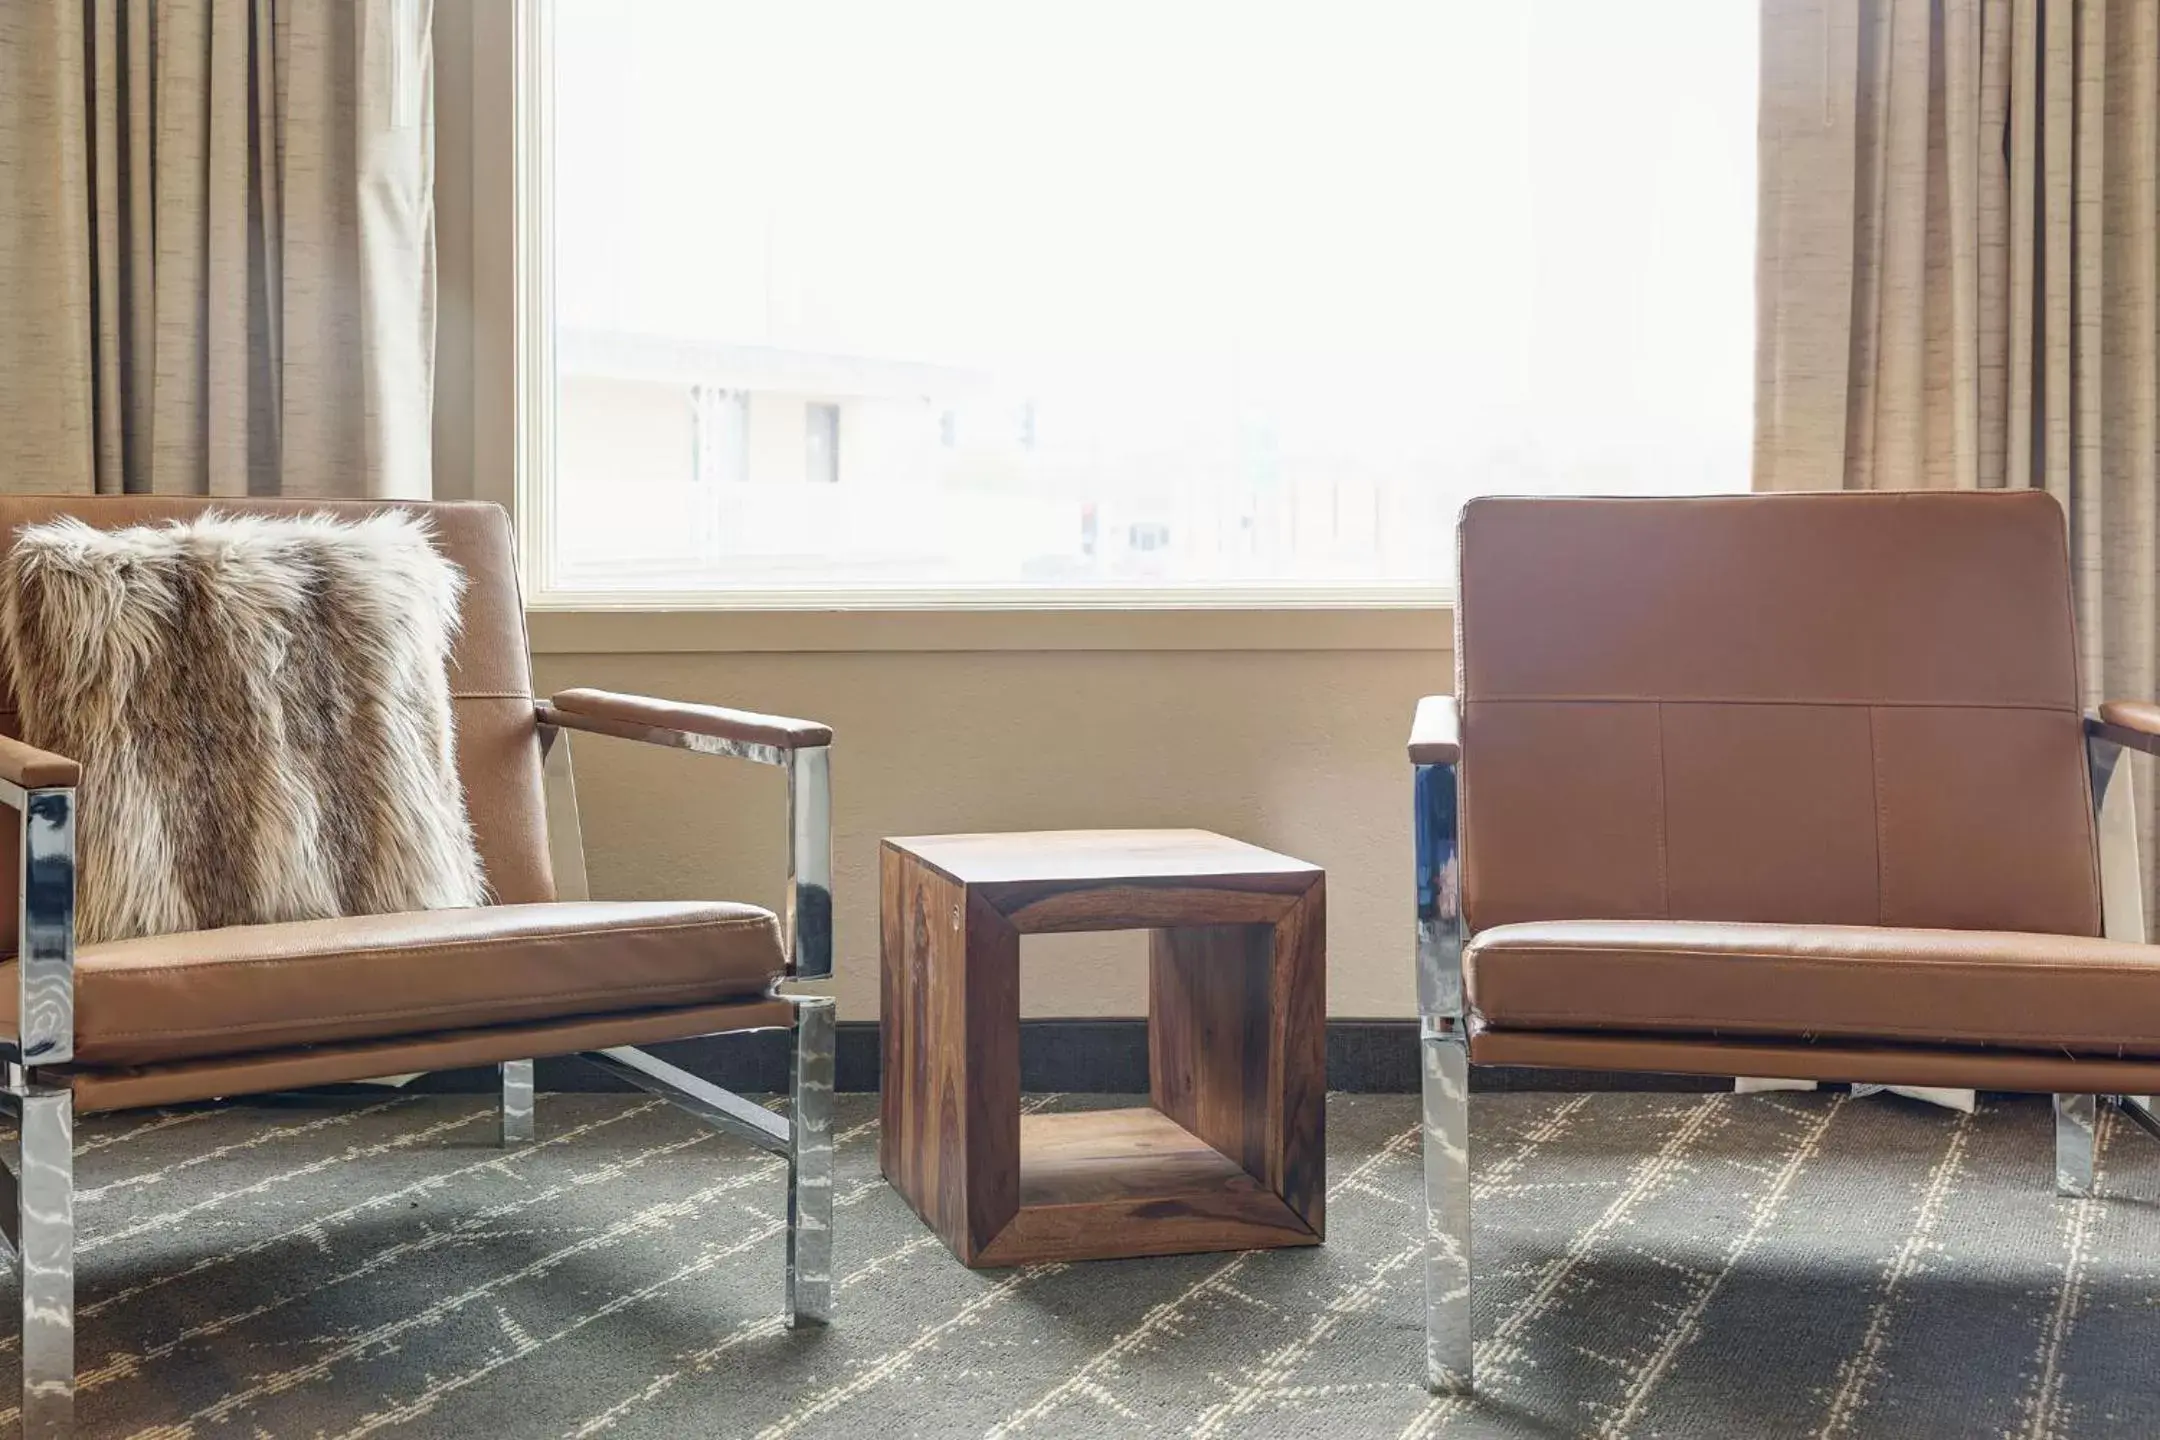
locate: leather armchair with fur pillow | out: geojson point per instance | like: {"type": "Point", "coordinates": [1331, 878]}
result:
{"type": "Point", "coordinates": [286, 795]}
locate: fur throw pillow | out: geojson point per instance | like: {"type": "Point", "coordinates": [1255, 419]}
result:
{"type": "Point", "coordinates": [262, 712]}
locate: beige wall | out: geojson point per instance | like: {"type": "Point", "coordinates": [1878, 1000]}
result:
{"type": "Point", "coordinates": [1297, 750]}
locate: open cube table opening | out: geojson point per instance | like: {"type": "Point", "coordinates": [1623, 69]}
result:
{"type": "Point", "coordinates": [1231, 1154]}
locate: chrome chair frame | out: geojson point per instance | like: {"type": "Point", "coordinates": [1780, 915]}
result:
{"type": "Point", "coordinates": [37, 1192]}
{"type": "Point", "coordinates": [2122, 899]}
{"type": "Point", "coordinates": [1444, 1038]}
{"type": "Point", "coordinates": [804, 1134]}
{"type": "Point", "coordinates": [39, 1223]}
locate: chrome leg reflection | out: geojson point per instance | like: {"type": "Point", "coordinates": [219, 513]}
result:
{"type": "Point", "coordinates": [46, 1196]}
{"type": "Point", "coordinates": [45, 970]}
{"type": "Point", "coordinates": [517, 1102]}
{"type": "Point", "coordinates": [809, 883]}
{"type": "Point", "coordinates": [2076, 1120]}
{"type": "Point", "coordinates": [1448, 1332]}
{"type": "Point", "coordinates": [1444, 1047]}
{"type": "Point", "coordinates": [810, 1164]}
{"type": "Point", "coordinates": [2138, 1110]}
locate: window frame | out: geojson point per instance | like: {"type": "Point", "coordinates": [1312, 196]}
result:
{"type": "Point", "coordinates": [534, 452]}
{"type": "Point", "coordinates": [511, 452]}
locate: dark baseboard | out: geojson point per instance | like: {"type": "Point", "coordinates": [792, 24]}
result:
{"type": "Point", "coordinates": [1373, 1057]}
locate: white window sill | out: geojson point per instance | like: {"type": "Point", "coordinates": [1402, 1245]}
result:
{"type": "Point", "coordinates": [593, 630]}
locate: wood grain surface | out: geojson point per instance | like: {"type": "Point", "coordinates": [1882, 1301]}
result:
{"type": "Point", "coordinates": [1231, 1154]}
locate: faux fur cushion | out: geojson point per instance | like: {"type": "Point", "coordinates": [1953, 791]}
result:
{"type": "Point", "coordinates": [262, 712]}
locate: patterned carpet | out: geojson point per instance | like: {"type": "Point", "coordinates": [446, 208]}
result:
{"type": "Point", "coordinates": [1652, 1265]}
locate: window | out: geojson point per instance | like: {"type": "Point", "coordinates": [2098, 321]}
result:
{"type": "Point", "coordinates": [821, 439]}
{"type": "Point", "coordinates": [1123, 302]}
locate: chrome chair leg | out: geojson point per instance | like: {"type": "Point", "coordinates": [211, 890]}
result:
{"type": "Point", "coordinates": [1444, 1059]}
{"type": "Point", "coordinates": [2076, 1120]}
{"type": "Point", "coordinates": [517, 1102]}
{"type": "Point", "coordinates": [1448, 1333]}
{"type": "Point", "coordinates": [810, 1163]}
{"type": "Point", "coordinates": [45, 1255]}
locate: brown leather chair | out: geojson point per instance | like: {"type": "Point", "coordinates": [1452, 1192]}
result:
{"type": "Point", "coordinates": [545, 971]}
{"type": "Point", "coordinates": [1771, 785]}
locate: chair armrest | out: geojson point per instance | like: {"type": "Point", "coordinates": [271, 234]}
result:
{"type": "Point", "coordinates": [802, 747]}
{"type": "Point", "coordinates": [1435, 738]}
{"type": "Point", "coordinates": [29, 768]}
{"type": "Point", "coordinates": [673, 722]}
{"type": "Point", "coordinates": [41, 786]}
{"type": "Point", "coordinates": [2132, 724]}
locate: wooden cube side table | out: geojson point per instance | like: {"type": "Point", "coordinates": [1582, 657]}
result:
{"type": "Point", "coordinates": [1232, 1153]}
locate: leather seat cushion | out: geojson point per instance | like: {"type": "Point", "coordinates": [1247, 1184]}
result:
{"type": "Point", "coordinates": [2057, 993]}
{"type": "Point", "coordinates": [252, 988]}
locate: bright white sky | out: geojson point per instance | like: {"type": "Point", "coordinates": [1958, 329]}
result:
{"type": "Point", "coordinates": [1425, 227]}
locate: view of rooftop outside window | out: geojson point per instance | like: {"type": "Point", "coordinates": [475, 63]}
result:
{"type": "Point", "coordinates": [1195, 297]}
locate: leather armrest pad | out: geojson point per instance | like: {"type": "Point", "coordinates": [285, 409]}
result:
{"type": "Point", "coordinates": [2133, 724]}
{"type": "Point", "coordinates": [35, 769]}
{"type": "Point", "coordinates": [713, 720]}
{"type": "Point", "coordinates": [2142, 716]}
{"type": "Point", "coordinates": [1435, 738]}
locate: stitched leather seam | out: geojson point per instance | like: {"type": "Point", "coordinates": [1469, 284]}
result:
{"type": "Point", "coordinates": [451, 947]}
{"type": "Point", "coordinates": [433, 1043]}
{"type": "Point", "coordinates": [1772, 957]}
{"type": "Point", "coordinates": [550, 998]}
{"type": "Point", "coordinates": [2098, 892]}
{"type": "Point", "coordinates": [1664, 806]}
{"type": "Point", "coordinates": [1882, 826]}
{"type": "Point", "coordinates": [1712, 1025]}
{"type": "Point", "coordinates": [1757, 1047]}
{"type": "Point", "coordinates": [1844, 702]}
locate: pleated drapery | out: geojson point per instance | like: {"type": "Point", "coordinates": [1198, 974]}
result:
{"type": "Point", "coordinates": [216, 247]}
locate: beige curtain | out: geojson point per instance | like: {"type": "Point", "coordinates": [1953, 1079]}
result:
{"type": "Point", "coordinates": [1960, 275]}
{"type": "Point", "coordinates": [216, 246]}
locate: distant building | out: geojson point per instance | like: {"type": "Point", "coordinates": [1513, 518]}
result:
{"type": "Point", "coordinates": [680, 457]}
{"type": "Point", "coordinates": [685, 464]}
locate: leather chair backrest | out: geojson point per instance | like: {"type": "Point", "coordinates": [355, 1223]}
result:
{"type": "Point", "coordinates": [490, 678]}
{"type": "Point", "coordinates": [1835, 709]}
